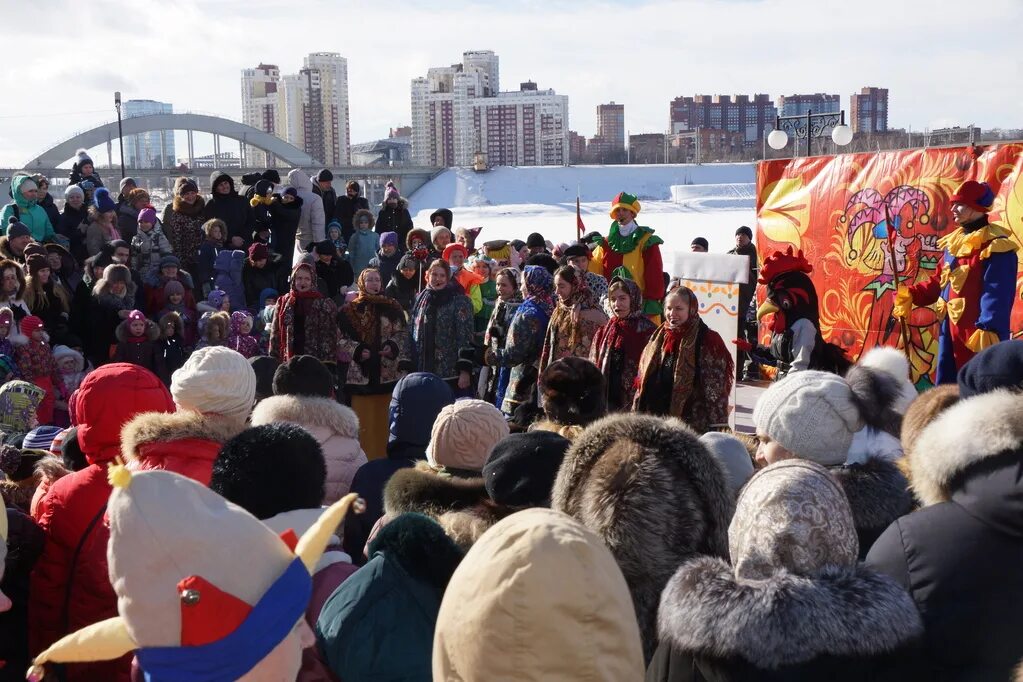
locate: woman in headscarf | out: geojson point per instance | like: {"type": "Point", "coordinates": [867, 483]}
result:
{"type": "Point", "coordinates": [509, 298]}
{"type": "Point", "coordinates": [520, 353]}
{"type": "Point", "coordinates": [686, 370]}
{"type": "Point", "coordinates": [442, 322]}
{"type": "Point", "coordinates": [575, 321]}
{"type": "Point", "coordinates": [305, 321]}
{"type": "Point", "coordinates": [376, 345]}
{"type": "Point", "coordinates": [794, 604]}
{"type": "Point", "coordinates": [619, 344]}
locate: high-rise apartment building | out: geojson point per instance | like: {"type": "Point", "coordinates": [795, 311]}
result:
{"type": "Point", "coordinates": [611, 125]}
{"type": "Point", "coordinates": [817, 103]}
{"type": "Point", "coordinates": [753, 117]}
{"type": "Point", "coordinates": [458, 113]}
{"type": "Point", "coordinates": [261, 108]}
{"type": "Point", "coordinates": [154, 149]}
{"type": "Point", "coordinates": [869, 110]}
{"type": "Point", "coordinates": [309, 109]}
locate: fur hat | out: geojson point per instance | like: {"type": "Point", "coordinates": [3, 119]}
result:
{"type": "Point", "coordinates": [924, 410]}
{"type": "Point", "coordinates": [733, 455]}
{"type": "Point", "coordinates": [102, 201]}
{"type": "Point", "coordinates": [16, 228]}
{"type": "Point", "coordinates": [61, 351]}
{"type": "Point", "coordinates": [31, 323]}
{"type": "Point", "coordinates": [303, 375]}
{"type": "Point", "coordinates": [178, 593]}
{"type": "Point", "coordinates": [35, 263]}
{"type": "Point", "coordinates": [573, 392]}
{"type": "Point", "coordinates": [363, 214]}
{"type": "Point", "coordinates": [215, 380]}
{"type": "Point", "coordinates": [995, 367]}
{"type": "Point", "coordinates": [173, 320]}
{"type": "Point", "coordinates": [543, 581]}
{"type": "Point", "coordinates": [521, 469]}
{"type": "Point", "coordinates": [265, 367]}
{"type": "Point", "coordinates": [147, 215]}
{"type": "Point", "coordinates": [138, 194]}
{"type": "Point", "coordinates": [894, 362]}
{"type": "Point", "coordinates": [272, 175]}
{"type": "Point", "coordinates": [814, 415]}
{"type": "Point", "coordinates": [650, 490]}
{"type": "Point", "coordinates": [464, 433]}
{"type": "Point", "coordinates": [270, 469]}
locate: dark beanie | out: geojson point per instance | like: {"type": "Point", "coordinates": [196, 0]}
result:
{"type": "Point", "coordinates": [536, 240]}
{"type": "Point", "coordinates": [573, 392]}
{"type": "Point", "coordinates": [270, 469]}
{"type": "Point", "coordinates": [521, 469]}
{"type": "Point", "coordinates": [264, 366]}
{"type": "Point", "coordinates": [71, 451]}
{"type": "Point", "coordinates": [576, 250]}
{"type": "Point", "coordinates": [544, 260]}
{"type": "Point", "coordinates": [303, 375]}
{"type": "Point", "coordinates": [325, 176]}
{"type": "Point", "coordinates": [746, 231]}
{"type": "Point", "coordinates": [701, 242]}
{"type": "Point", "coordinates": [16, 228]}
{"type": "Point", "coordinates": [272, 175]}
{"type": "Point", "coordinates": [1000, 366]}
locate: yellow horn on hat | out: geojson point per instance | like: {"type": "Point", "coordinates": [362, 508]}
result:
{"type": "Point", "coordinates": [102, 641]}
{"type": "Point", "coordinates": [314, 541]}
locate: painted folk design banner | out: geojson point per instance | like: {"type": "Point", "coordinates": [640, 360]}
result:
{"type": "Point", "coordinates": [834, 208]}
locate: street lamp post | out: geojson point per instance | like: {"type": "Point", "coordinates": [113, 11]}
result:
{"type": "Point", "coordinates": [120, 135]}
{"type": "Point", "coordinates": [810, 127]}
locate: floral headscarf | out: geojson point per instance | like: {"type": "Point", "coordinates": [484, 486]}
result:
{"type": "Point", "coordinates": [635, 295]}
{"type": "Point", "coordinates": [540, 287]}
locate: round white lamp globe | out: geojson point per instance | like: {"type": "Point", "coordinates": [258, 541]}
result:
{"type": "Point", "coordinates": [778, 139]}
{"type": "Point", "coordinates": [842, 135]}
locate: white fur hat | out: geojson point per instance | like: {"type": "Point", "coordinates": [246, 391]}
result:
{"type": "Point", "coordinates": [893, 362]}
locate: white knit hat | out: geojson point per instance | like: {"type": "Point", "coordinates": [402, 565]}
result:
{"type": "Point", "coordinates": [464, 433]}
{"type": "Point", "coordinates": [811, 414]}
{"type": "Point", "coordinates": [215, 380]}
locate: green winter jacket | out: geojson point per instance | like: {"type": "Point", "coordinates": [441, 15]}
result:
{"type": "Point", "coordinates": [29, 212]}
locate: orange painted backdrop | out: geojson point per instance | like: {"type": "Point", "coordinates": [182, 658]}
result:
{"type": "Point", "coordinates": [833, 208]}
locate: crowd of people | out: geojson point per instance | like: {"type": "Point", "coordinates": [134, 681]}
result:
{"type": "Point", "coordinates": [271, 436]}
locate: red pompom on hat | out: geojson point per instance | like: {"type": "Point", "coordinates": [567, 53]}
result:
{"type": "Point", "coordinates": [977, 195]}
{"type": "Point", "coordinates": [30, 324]}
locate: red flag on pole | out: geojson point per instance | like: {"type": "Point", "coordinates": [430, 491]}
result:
{"type": "Point", "coordinates": [579, 227]}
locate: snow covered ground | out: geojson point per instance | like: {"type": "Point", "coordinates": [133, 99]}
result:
{"type": "Point", "coordinates": [679, 201]}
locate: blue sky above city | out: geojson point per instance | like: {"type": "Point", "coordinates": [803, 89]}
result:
{"type": "Point", "coordinates": [940, 69]}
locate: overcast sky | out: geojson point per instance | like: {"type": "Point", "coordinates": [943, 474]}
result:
{"type": "Point", "coordinates": [944, 62]}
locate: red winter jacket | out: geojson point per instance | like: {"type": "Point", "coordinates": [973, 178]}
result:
{"type": "Point", "coordinates": [70, 585]}
{"type": "Point", "coordinates": [185, 442]}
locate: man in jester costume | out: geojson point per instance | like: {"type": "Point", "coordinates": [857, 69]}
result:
{"type": "Point", "coordinates": [974, 287]}
{"type": "Point", "coordinates": [637, 249]}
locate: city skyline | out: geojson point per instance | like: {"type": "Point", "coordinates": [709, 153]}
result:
{"type": "Point", "coordinates": [939, 75]}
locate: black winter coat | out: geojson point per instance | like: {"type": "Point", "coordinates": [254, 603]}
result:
{"type": "Point", "coordinates": [336, 275]}
{"type": "Point", "coordinates": [329, 198]}
{"type": "Point", "coordinates": [232, 208]}
{"type": "Point", "coordinates": [402, 290]}
{"type": "Point", "coordinates": [961, 555]}
{"type": "Point", "coordinates": [273, 275]}
{"type": "Point", "coordinates": [69, 226]}
{"type": "Point", "coordinates": [51, 210]}
{"type": "Point", "coordinates": [344, 210]}
{"type": "Point", "coordinates": [387, 265]}
{"type": "Point", "coordinates": [127, 221]}
{"type": "Point", "coordinates": [25, 543]}
{"type": "Point", "coordinates": [396, 219]}
{"type": "Point", "coordinates": [285, 226]}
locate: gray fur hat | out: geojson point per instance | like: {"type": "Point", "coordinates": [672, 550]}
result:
{"type": "Point", "coordinates": [654, 495]}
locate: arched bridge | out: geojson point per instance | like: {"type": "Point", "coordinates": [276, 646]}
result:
{"type": "Point", "coordinates": [206, 123]}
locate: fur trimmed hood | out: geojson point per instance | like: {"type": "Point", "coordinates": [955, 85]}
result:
{"type": "Point", "coordinates": [965, 434]}
{"type": "Point", "coordinates": [152, 428]}
{"type": "Point", "coordinates": [423, 490]}
{"type": "Point", "coordinates": [787, 619]}
{"type": "Point", "coordinates": [307, 411]}
{"type": "Point", "coordinates": [654, 494]}
{"type": "Point", "coordinates": [152, 332]}
{"type": "Point", "coordinates": [878, 492]}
